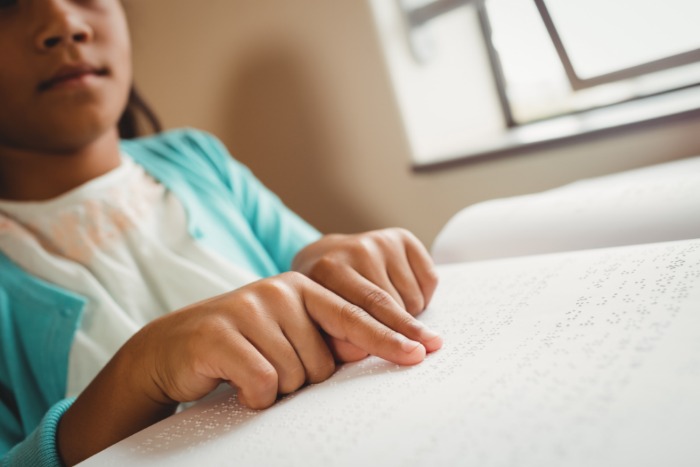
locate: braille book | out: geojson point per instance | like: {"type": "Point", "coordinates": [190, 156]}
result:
{"type": "Point", "coordinates": [557, 352]}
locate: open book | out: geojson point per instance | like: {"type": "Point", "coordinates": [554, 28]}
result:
{"type": "Point", "coordinates": [575, 358]}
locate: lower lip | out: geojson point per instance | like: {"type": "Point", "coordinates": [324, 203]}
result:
{"type": "Point", "coordinates": [76, 82]}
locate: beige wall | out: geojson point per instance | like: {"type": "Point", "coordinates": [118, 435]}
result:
{"type": "Point", "coordinates": [297, 90]}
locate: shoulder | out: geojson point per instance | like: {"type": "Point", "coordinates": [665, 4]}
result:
{"type": "Point", "coordinates": [177, 143]}
{"type": "Point", "coordinates": [185, 149]}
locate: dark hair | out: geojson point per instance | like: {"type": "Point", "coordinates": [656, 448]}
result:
{"type": "Point", "coordinates": [137, 109]}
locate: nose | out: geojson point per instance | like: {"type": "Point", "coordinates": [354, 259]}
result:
{"type": "Point", "coordinates": [62, 26]}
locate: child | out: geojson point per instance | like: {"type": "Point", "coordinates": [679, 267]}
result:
{"type": "Point", "coordinates": [100, 238]}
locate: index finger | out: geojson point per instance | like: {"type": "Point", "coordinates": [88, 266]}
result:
{"type": "Point", "coordinates": [348, 322]}
{"type": "Point", "coordinates": [376, 301]}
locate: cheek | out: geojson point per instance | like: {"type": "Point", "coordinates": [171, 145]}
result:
{"type": "Point", "coordinates": [16, 72]}
{"type": "Point", "coordinates": [15, 100]}
{"type": "Point", "coordinates": [121, 66]}
{"type": "Point", "coordinates": [120, 45]}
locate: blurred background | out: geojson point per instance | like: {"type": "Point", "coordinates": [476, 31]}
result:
{"type": "Point", "coordinates": [307, 94]}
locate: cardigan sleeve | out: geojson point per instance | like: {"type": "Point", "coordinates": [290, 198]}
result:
{"type": "Point", "coordinates": [282, 232]}
{"type": "Point", "coordinates": [40, 447]}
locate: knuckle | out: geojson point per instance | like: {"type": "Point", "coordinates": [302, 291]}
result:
{"type": "Point", "coordinates": [393, 234]}
{"type": "Point", "coordinates": [264, 379]}
{"type": "Point", "coordinates": [351, 316]}
{"type": "Point", "coordinates": [275, 287]}
{"type": "Point", "coordinates": [321, 371]}
{"type": "Point", "coordinates": [389, 236]}
{"type": "Point", "coordinates": [274, 292]}
{"type": "Point", "coordinates": [295, 282]}
{"type": "Point", "coordinates": [246, 298]}
{"type": "Point", "coordinates": [409, 322]}
{"type": "Point", "coordinates": [324, 267]}
{"type": "Point", "coordinates": [402, 233]}
{"type": "Point", "coordinates": [211, 325]}
{"type": "Point", "coordinates": [291, 277]}
{"type": "Point", "coordinates": [377, 298]}
{"type": "Point", "coordinates": [293, 379]}
{"type": "Point", "coordinates": [374, 236]}
{"type": "Point", "coordinates": [414, 303]}
{"type": "Point", "coordinates": [430, 284]}
{"type": "Point", "coordinates": [253, 315]}
{"type": "Point", "coordinates": [364, 246]}
{"type": "Point", "coordinates": [431, 278]}
{"type": "Point", "coordinates": [382, 336]}
{"type": "Point", "coordinates": [389, 241]}
{"type": "Point", "coordinates": [258, 401]}
{"type": "Point", "coordinates": [212, 328]}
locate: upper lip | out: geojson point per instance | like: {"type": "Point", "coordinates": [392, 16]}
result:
{"type": "Point", "coordinates": [69, 71]}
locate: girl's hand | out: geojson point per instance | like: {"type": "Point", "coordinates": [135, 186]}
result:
{"type": "Point", "coordinates": [263, 338]}
{"type": "Point", "coordinates": [386, 272]}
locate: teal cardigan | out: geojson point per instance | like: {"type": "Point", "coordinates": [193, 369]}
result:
{"type": "Point", "coordinates": [228, 210]}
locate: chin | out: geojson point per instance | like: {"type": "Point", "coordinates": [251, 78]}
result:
{"type": "Point", "coordinates": [70, 125]}
{"type": "Point", "coordinates": [64, 134]}
{"type": "Point", "coordinates": [62, 140]}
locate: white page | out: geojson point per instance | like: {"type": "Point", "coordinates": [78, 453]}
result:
{"type": "Point", "coordinates": [653, 204]}
{"type": "Point", "coordinates": [587, 358]}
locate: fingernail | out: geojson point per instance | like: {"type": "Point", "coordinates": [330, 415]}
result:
{"type": "Point", "coordinates": [407, 345]}
{"type": "Point", "coordinates": [425, 333]}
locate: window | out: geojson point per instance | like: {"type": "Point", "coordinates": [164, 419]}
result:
{"type": "Point", "coordinates": [558, 57]}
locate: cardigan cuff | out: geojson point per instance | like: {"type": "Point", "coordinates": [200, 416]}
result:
{"type": "Point", "coordinates": [40, 447]}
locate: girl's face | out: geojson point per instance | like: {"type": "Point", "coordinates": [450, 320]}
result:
{"type": "Point", "coordinates": [65, 72]}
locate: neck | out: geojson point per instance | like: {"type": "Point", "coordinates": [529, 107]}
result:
{"type": "Point", "coordinates": [37, 176]}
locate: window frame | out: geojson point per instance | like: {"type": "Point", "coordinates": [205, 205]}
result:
{"type": "Point", "coordinates": [651, 110]}
{"type": "Point", "coordinates": [419, 16]}
{"type": "Point", "coordinates": [578, 83]}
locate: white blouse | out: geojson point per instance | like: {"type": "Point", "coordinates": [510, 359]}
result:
{"type": "Point", "coordinates": [121, 241]}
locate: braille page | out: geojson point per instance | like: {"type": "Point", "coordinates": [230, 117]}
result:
{"type": "Point", "coordinates": [575, 359]}
{"type": "Point", "coordinates": [654, 204]}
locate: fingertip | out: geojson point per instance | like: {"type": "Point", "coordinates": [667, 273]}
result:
{"type": "Point", "coordinates": [433, 344]}
{"type": "Point", "coordinates": [408, 345]}
{"type": "Point", "coordinates": [430, 339]}
{"type": "Point", "coordinates": [416, 356]}
{"type": "Point", "coordinates": [425, 334]}
{"type": "Point", "coordinates": [255, 403]}
{"type": "Point", "coordinates": [413, 352]}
